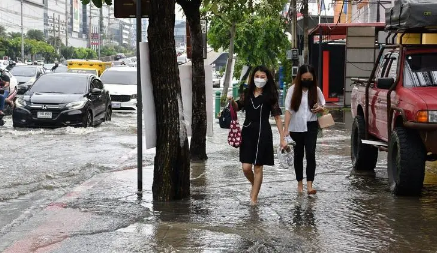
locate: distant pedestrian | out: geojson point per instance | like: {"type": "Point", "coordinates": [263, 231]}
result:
{"type": "Point", "coordinates": [259, 101]}
{"type": "Point", "coordinates": [55, 66]}
{"type": "Point", "coordinates": [303, 101]}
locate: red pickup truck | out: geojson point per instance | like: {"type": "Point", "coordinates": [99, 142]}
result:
{"type": "Point", "coordinates": [395, 110]}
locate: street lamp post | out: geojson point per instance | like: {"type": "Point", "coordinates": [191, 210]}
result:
{"type": "Point", "coordinates": [22, 33]}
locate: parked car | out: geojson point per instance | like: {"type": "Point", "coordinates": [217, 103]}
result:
{"type": "Point", "coordinates": [121, 82]}
{"type": "Point", "coordinates": [26, 75]}
{"type": "Point", "coordinates": [62, 99]}
{"type": "Point", "coordinates": [182, 59]}
{"type": "Point", "coordinates": [397, 112]}
{"type": "Point", "coordinates": [13, 84]}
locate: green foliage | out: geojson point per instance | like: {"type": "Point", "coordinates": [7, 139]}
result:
{"type": "Point", "coordinates": [259, 38]}
{"type": "Point", "coordinates": [108, 51]}
{"type": "Point", "coordinates": [3, 33]}
{"type": "Point", "coordinates": [35, 35]}
{"type": "Point", "coordinates": [67, 52]}
{"type": "Point", "coordinates": [13, 35]}
{"type": "Point", "coordinates": [84, 53]}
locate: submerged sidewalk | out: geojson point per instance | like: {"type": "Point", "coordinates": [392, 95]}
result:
{"type": "Point", "coordinates": [103, 214]}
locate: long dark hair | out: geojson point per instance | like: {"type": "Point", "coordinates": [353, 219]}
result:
{"type": "Point", "coordinates": [297, 92]}
{"type": "Point", "coordinates": [270, 93]}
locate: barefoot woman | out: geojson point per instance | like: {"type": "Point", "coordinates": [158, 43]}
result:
{"type": "Point", "coordinates": [304, 100]}
{"type": "Point", "coordinates": [259, 101]}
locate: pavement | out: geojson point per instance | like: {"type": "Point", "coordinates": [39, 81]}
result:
{"type": "Point", "coordinates": [350, 213]}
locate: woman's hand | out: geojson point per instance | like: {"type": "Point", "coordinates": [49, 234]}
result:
{"type": "Point", "coordinates": [317, 108]}
{"type": "Point", "coordinates": [284, 143]}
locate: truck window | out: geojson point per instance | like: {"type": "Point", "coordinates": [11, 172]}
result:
{"type": "Point", "coordinates": [393, 69]}
{"type": "Point", "coordinates": [382, 68]}
{"type": "Point", "coordinates": [420, 70]}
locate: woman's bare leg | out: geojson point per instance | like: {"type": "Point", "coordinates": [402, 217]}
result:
{"type": "Point", "coordinates": [247, 169]}
{"type": "Point", "coordinates": [257, 183]}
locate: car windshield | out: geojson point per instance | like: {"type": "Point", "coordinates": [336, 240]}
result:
{"type": "Point", "coordinates": [61, 69]}
{"type": "Point", "coordinates": [71, 84]}
{"type": "Point", "coordinates": [421, 70]}
{"type": "Point", "coordinates": [119, 77]}
{"type": "Point", "coordinates": [23, 71]}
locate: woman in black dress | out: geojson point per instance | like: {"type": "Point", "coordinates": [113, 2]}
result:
{"type": "Point", "coordinates": [259, 101]}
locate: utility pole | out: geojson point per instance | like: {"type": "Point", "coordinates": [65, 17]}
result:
{"type": "Point", "coordinates": [305, 31]}
{"type": "Point", "coordinates": [378, 11]}
{"type": "Point", "coordinates": [22, 34]}
{"type": "Point", "coordinates": [54, 31]}
{"type": "Point", "coordinates": [89, 27]}
{"type": "Point", "coordinates": [100, 29]}
{"type": "Point", "coordinates": [66, 23]}
{"type": "Point", "coordinates": [59, 33]}
{"type": "Point", "coordinates": [293, 24]}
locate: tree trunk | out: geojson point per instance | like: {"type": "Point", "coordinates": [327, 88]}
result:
{"type": "Point", "coordinates": [199, 121]}
{"type": "Point", "coordinates": [172, 165]}
{"type": "Point", "coordinates": [228, 76]}
{"type": "Point", "coordinates": [305, 31]}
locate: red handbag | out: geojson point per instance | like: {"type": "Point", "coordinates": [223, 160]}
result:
{"type": "Point", "coordinates": [234, 137]}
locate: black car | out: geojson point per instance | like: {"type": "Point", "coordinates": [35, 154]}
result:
{"type": "Point", "coordinates": [26, 76]}
{"type": "Point", "coordinates": [62, 99]}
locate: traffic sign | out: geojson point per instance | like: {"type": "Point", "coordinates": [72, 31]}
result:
{"type": "Point", "coordinates": [128, 8]}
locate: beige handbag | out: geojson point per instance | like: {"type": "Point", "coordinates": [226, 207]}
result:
{"type": "Point", "coordinates": [326, 120]}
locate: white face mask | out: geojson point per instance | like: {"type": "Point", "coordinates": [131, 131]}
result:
{"type": "Point", "coordinates": [259, 82]}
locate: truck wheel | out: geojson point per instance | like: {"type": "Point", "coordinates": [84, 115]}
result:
{"type": "Point", "coordinates": [406, 162]}
{"type": "Point", "coordinates": [364, 157]}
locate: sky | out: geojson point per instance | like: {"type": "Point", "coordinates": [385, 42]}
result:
{"type": "Point", "coordinates": [179, 13]}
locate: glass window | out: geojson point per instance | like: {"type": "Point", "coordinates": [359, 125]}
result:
{"type": "Point", "coordinates": [119, 77]}
{"type": "Point", "coordinates": [24, 71]}
{"type": "Point", "coordinates": [70, 84]}
{"type": "Point", "coordinates": [420, 70]}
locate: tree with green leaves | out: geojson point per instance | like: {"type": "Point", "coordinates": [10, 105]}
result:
{"type": "Point", "coordinates": [191, 9]}
{"type": "Point", "coordinates": [67, 52]}
{"type": "Point", "coordinates": [258, 38]}
{"type": "Point", "coordinates": [231, 17]}
{"type": "Point", "coordinates": [3, 33]}
{"type": "Point", "coordinates": [35, 34]}
{"type": "Point", "coordinates": [14, 35]}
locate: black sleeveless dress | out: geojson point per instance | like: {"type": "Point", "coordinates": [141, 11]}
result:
{"type": "Point", "coordinates": [257, 139]}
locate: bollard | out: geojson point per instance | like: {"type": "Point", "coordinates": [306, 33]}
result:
{"type": "Point", "coordinates": [235, 91]}
{"type": "Point", "coordinates": [217, 103]}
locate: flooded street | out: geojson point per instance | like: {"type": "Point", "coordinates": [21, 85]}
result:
{"type": "Point", "coordinates": [56, 195]}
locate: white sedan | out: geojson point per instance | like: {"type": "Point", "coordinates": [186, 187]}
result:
{"type": "Point", "coordinates": [121, 82]}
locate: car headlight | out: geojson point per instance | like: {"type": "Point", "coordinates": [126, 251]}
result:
{"type": "Point", "coordinates": [432, 116]}
{"type": "Point", "coordinates": [133, 96]}
{"type": "Point", "coordinates": [75, 105]}
{"type": "Point", "coordinates": [20, 102]}
{"type": "Point", "coordinates": [426, 116]}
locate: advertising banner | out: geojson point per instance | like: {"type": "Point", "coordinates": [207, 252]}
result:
{"type": "Point", "coordinates": [76, 15]}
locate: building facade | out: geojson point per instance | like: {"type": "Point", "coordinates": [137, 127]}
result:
{"type": "Point", "coordinates": [75, 24]}
{"type": "Point", "coordinates": [358, 11]}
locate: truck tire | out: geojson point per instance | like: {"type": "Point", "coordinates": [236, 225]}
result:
{"type": "Point", "coordinates": [406, 162]}
{"type": "Point", "coordinates": [364, 157]}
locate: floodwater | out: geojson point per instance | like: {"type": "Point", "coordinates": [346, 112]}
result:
{"type": "Point", "coordinates": [352, 211]}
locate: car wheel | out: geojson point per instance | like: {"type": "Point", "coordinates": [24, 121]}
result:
{"type": "Point", "coordinates": [364, 157]}
{"type": "Point", "coordinates": [108, 114]}
{"type": "Point", "coordinates": [406, 162]}
{"type": "Point", "coordinates": [88, 119]}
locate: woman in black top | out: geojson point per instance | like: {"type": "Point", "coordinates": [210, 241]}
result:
{"type": "Point", "coordinates": [259, 101]}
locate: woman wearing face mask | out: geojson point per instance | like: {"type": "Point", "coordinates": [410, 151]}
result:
{"type": "Point", "coordinates": [304, 100]}
{"type": "Point", "coordinates": [259, 101]}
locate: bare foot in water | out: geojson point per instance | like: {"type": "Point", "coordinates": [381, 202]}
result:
{"type": "Point", "coordinates": [300, 187]}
